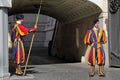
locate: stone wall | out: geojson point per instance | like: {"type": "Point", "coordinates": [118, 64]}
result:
{"type": "Point", "coordinates": [44, 31]}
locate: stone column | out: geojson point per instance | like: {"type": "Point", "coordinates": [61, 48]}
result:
{"type": "Point", "coordinates": [4, 74]}
{"type": "Point", "coordinates": [4, 5]}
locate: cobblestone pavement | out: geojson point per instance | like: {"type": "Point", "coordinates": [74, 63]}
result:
{"type": "Point", "coordinates": [44, 67]}
{"type": "Point", "coordinates": [67, 71]}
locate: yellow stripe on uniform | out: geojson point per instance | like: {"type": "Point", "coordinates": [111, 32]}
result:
{"type": "Point", "coordinates": [21, 33]}
{"type": "Point", "coordinates": [98, 54]}
{"type": "Point", "coordinates": [88, 40]}
{"type": "Point", "coordinates": [104, 37]}
{"type": "Point", "coordinates": [23, 51]}
{"type": "Point", "coordinates": [94, 60]}
{"type": "Point", "coordinates": [89, 55]}
{"type": "Point", "coordinates": [18, 52]}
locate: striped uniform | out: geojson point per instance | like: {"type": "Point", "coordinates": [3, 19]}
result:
{"type": "Point", "coordinates": [19, 53]}
{"type": "Point", "coordinates": [95, 38]}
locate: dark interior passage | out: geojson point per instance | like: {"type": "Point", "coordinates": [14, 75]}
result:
{"type": "Point", "coordinates": [73, 18]}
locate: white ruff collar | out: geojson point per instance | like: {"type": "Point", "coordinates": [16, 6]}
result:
{"type": "Point", "coordinates": [95, 28]}
{"type": "Point", "coordinates": [18, 22]}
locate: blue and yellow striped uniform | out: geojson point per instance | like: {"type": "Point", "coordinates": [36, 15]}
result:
{"type": "Point", "coordinates": [95, 38]}
{"type": "Point", "coordinates": [19, 52]}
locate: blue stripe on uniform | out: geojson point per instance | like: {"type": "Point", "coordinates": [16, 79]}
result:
{"type": "Point", "coordinates": [95, 38]}
{"type": "Point", "coordinates": [15, 50]}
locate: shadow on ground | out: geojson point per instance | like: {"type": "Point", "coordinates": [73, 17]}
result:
{"type": "Point", "coordinates": [37, 57]}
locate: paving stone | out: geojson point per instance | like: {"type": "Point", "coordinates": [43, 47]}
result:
{"type": "Point", "coordinates": [16, 77]}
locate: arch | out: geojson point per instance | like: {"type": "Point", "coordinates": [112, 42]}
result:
{"type": "Point", "coordinates": [74, 18]}
{"type": "Point", "coordinates": [63, 10]}
{"type": "Point", "coordinates": [102, 4]}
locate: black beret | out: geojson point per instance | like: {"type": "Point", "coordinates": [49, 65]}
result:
{"type": "Point", "coordinates": [95, 21]}
{"type": "Point", "coordinates": [19, 16]}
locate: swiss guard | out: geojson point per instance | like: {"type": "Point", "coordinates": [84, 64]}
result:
{"type": "Point", "coordinates": [18, 32]}
{"type": "Point", "coordinates": [96, 37]}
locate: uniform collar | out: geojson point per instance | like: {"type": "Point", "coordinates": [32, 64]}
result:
{"type": "Point", "coordinates": [96, 28]}
{"type": "Point", "coordinates": [18, 22]}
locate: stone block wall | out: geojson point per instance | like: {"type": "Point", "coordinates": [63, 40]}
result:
{"type": "Point", "coordinates": [69, 39]}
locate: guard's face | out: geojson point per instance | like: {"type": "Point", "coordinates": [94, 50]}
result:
{"type": "Point", "coordinates": [97, 24]}
{"type": "Point", "coordinates": [22, 20]}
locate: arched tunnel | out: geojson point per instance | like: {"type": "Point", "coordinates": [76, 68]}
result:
{"type": "Point", "coordinates": [74, 18]}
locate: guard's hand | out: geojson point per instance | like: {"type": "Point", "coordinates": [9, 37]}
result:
{"type": "Point", "coordinates": [34, 29]}
{"type": "Point", "coordinates": [35, 26]}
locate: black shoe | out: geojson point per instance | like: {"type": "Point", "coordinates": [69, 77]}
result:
{"type": "Point", "coordinates": [91, 75]}
{"type": "Point", "coordinates": [102, 75]}
{"type": "Point", "coordinates": [19, 74]}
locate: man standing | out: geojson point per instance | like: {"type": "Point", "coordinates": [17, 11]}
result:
{"type": "Point", "coordinates": [95, 38]}
{"type": "Point", "coordinates": [18, 32]}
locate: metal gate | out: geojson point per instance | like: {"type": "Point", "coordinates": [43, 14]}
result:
{"type": "Point", "coordinates": [114, 33]}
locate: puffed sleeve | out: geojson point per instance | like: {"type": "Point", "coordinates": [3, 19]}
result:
{"type": "Point", "coordinates": [22, 30]}
{"type": "Point", "coordinates": [88, 38]}
{"type": "Point", "coordinates": [104, 39]}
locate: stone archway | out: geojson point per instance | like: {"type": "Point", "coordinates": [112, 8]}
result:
{"type": "Point", "coordinates": [74, 18]}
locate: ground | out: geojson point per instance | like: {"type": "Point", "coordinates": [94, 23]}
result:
{"type": "Point", "coordinates": [44, 67]}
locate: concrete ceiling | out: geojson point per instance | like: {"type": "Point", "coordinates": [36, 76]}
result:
{"type": "Point", "coordinates": [62, 10]}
